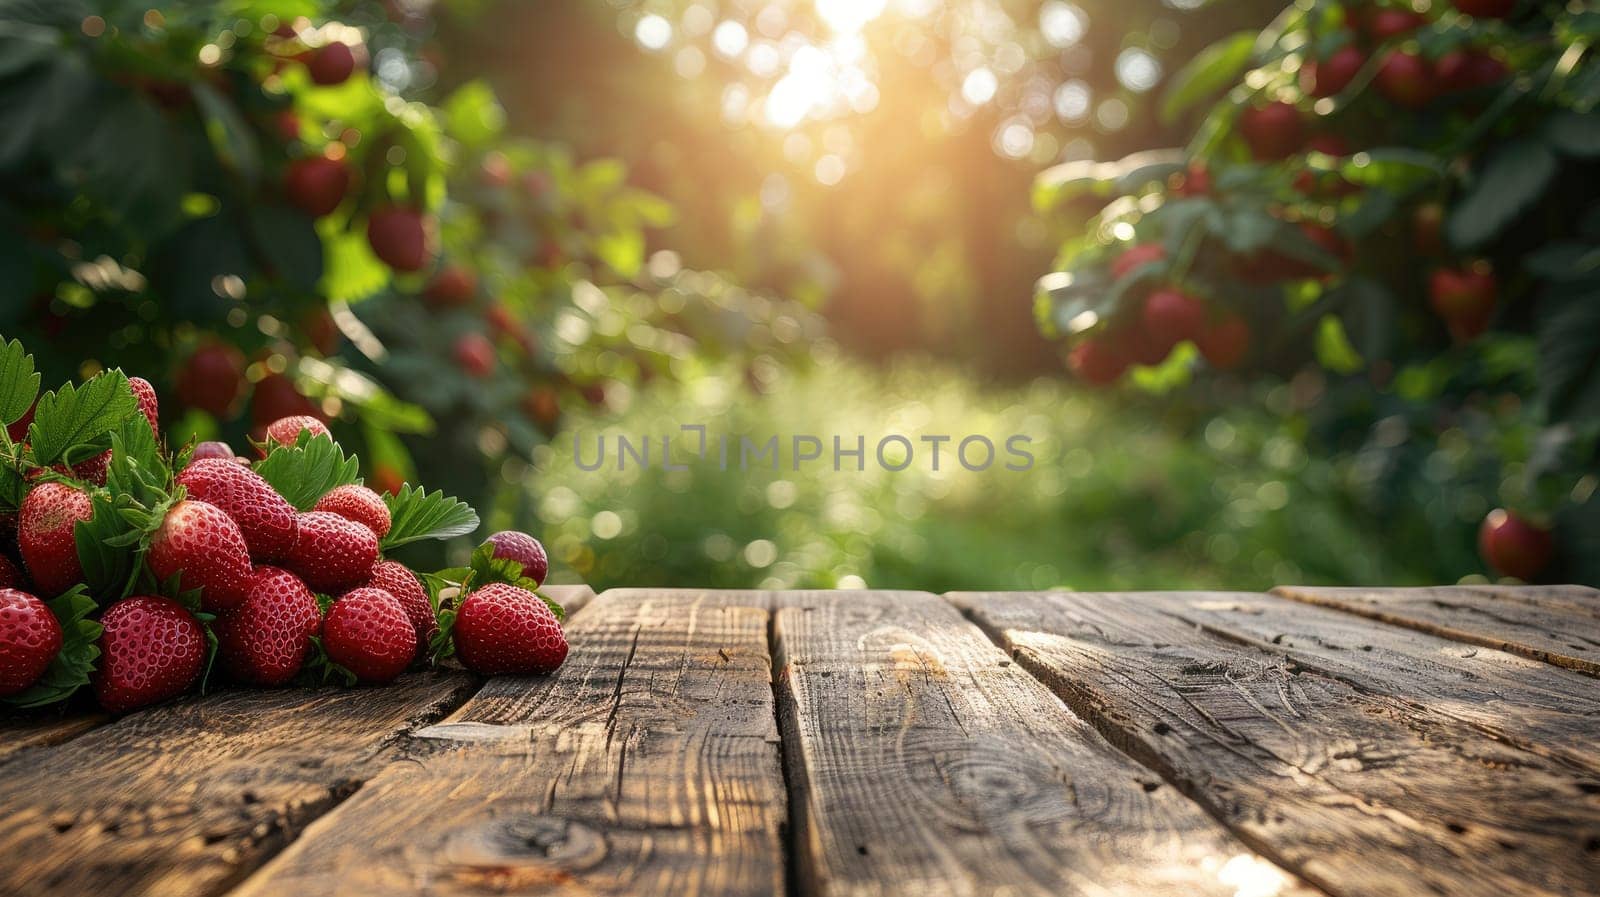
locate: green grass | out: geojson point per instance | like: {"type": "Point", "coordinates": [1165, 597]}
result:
{"type": "Point", "coordinates": [1116, 499]}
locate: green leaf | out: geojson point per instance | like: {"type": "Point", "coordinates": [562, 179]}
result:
{"type": "Point", "coordinates": [1569, 352]}
{"type": "Point", "coordinates": [75, 662]}
{"type": "Point", "coordinates": [352, 273]}
{"type": "Point", "coordinates": [109, 563]}
{"type": "Point", "coordinates": [1368, 313]}
{"type": "Point", "coordinates": [1333, 348]}
{"type": "Point", "coordinates": [1395, 168]}
{"type": "Point", "coordinates": [228, 131]}
{"type": "Point", "coordinates": [304, 472]}
{"type": "Point", "coordinates": [77, 416]}
{"type": "Point", "coordinates": [1574, 134]}
{"type": "Point", "coordinates": [1070, 180]}
{"type": "Point", "coordinates": [1213, 69]}
{"type": "Point", "coordinates": [1512, 181]}
{"type": "Point", "coordinates": [19, 382]}
{"type": "Point", "coordinates": [418, 515]}
{"type": "Point", "coordinates": [622, 251]}
{"type": "Point", "coordinates": [473, 115]}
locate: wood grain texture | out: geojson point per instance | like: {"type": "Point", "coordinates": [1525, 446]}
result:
{"type": "Point", "coordinates": [185, 798]}
{"type": "Point", "coordinates": [42, 728]}
{"type": "Point", "coordinates": [649, 764]}
{"type": "Point", "coordinates": [1515, 699]}
{"type": "Point", "coordinates": [1361, 793]}
{"type": "Point", "coordinates": [923, 761]}
{"type": "Point", "coordinates": [1553, 624]}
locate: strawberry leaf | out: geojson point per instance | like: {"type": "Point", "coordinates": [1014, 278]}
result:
{"type": "Point", "coordinates": [305, 471]}
{"type": "Point", "coordinates": [75, 420]}
{"type": "Point", "coordinates": [73, 664]}
{"type": "Point", "coordinates": [419, 515]}
{"type": "Point", "coordinates": [109, 556]}
{"type": "Point", "coordinates": [138, 469]}
{"type": "Point", "coordinates": [19, 382]}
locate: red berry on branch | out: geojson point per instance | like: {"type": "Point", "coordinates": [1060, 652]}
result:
{"type": "Point", "coordinates": [1461, 70]}
{"type": "Point", "coordinates": [276, 398]}
{"type": "Point", "coordinates": [316, 185]}
{"type": "Point", "coordinates": [1272, 131]}
{"type": "Point", "coordinates": [1194, 181]}
{"type": "Point", "coordinates": [1407, 79]}
{"type": "Point", "coordinates": [331, 64]}
{"type": "Point", "coordinates": [1426, 223]}
{"type": "Point", "coordinates": [1513, 545]}
{"type": "Point", "coordinates": [1464, 298]}
{"type": "Point", "coordinates": [1486, 9]}
{"type": "Point", "coordinates": [475, 355]}
{"type": "Point", "coordinates": [212, 379]}
{"type": "Point", "coordinates": [1099, 361]}
{"type": "Point", "coordinates": [1225, 343]}
{"type": "Point", "coordinates": [1334, 74]}
{"type": "Point", "coordinates": [399, 237]}
{"type": "Point", "coordinates": [1172, 316]}
{"type": "Point", "coordinates": [454, 286]}
{"type": "Point", "coordinates": [1387, 24]}
{"type": "Point", "coordinates": [1136, 257]}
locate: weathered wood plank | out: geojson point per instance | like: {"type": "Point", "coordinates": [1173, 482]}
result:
{"type": "Point", "coordinates": [1518, 700]}
{"type": "Point", "coordinates": [187, 797]}
{"type": "Point", "coordinates": [43, 728]}
{"type": "Point", "coordinates": [1359, 792]}
{"type": "Point", "coordinates": [923, 761]}
{"type": "Point", "coordinates": [1553, 624]}
{"type": "Point", "coordinates": [648, 765]}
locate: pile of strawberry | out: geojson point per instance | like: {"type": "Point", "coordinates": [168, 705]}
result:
{"type": "Point", "coordinates": [140, 572]}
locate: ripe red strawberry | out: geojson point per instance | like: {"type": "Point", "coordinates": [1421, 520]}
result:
{"type": "Point", "coordinates": [265, 518]}
{"type": "Point", "coordinates": [148, 406]}
{"type": "Point", "coordinates": [1099, 361]}
{"type": "Point", "coordinates": [398, 580]}
{"type": "Point", "coordinates": [265, 640]}
{"type": "Point", "coordinates": [287, 430]}
{"type": "Point", "coordinates": [503, 629]}
{"type": "Point", "coordinates": [367, 633]}
{"type": "Point", "coordinates": [1273, 131]}
{"type": "Point", "coordinates": [213, 451]}
{"type": "Point", "coordinates": [475, 355]}
{"type": "Point", "coordinates": [525, 550]}
{"type": "Point", "coordinates": [30, 638]}
{"type": "Point", "coordinates": [1334, 74]}
{"type": "Point", "coordinates": [1225, 343]}
{"type": "Point", "coordinates": [332, 63]}
{"type": "Point", "coordinates": [1172, 316]}
{"type": "Point", "coordinates": [93, 470]}
{"type": "Point", "coordinates": [358, 503]}
{"type": "Point", "coordinates": [201, 542]}
{"type": "Point", "coordinates": [45, 535]}
{"type": "Point", "coordinates": [1513, 545]}
{"type": "Point", "coordinates": [399, 237]}
{"type": "Point", "coordinates": [452, 287]}
{"type": "Point", "coordinates": [316, 185]}
{"type": "Point", "coordinates": [333, 554]}
{"type": "Point", "coordinates": [10, 574]}
{"type": "Point", "coordinates": [1407, 79]}
{"type": "Point", "coordinates": [1136, 257]}
{"type": "Point", "coordinates": [152, 649]}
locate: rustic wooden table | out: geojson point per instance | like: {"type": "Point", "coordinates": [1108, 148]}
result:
{"type": "Point", "coordinates": [1336, 741]}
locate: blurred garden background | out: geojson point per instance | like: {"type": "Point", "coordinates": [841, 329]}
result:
{"type": "Point", "coordinates": [1280, 294]}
